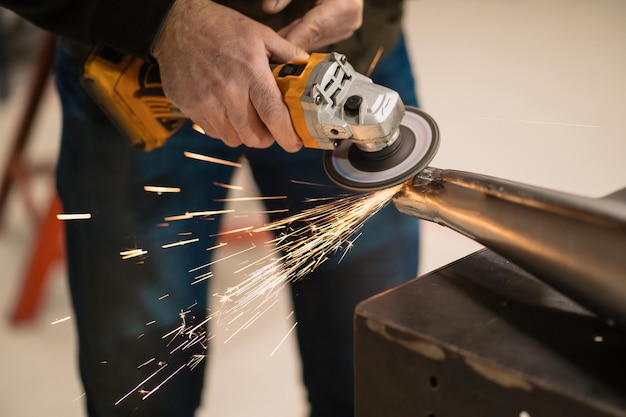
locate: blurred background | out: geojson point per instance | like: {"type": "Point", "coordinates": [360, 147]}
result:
{"type": "Point", "coordinates": [527, 90]}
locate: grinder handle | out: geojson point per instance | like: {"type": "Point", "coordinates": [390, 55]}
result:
{"type": "Point", "coordinates": [292, 79]}
{"type": "Point", "coordinates": [130, 92]}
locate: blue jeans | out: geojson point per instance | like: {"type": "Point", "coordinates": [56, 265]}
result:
{"type": "Point", "coordinates": [101, 173]}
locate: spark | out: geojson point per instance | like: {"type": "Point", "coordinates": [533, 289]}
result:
{"type": "Point", "coordinates": [298, 245]}
{"type": "Point", "coordinates": [219, 245]}
{"type": "Point", "coordinates": [227, 186]}
{"type": "Point", "coordinates": [195, 361]}
{"type": "Point", "coordinates": [315, 184]}
{"type": "Point", "coordinates": [79, 397]}
{"type": "Point", "coordinates": [283, 339]}
{"type": "Point", "coordinates": [179, 347]}
{"type": "Point", "coordinates": [350, 244]}
{"type": "Point", "coordinates": [208, 213]}
{"type": "Point", "coordinates": [260, 198]}
{"type": "Point", "coordinates": [374, 62]}
{"type": "Point", "coordinates": [239, 329]}
{"type": "Point", "coordinates": [180, 243]}
{"type": "Point", "coordinates": [150, 323]}
{"type": "Point", "coordinates": [164, 296]}
{"type": "Point", "coordinates": [191, 214]}
{"type": "Point", "coordinates": [198, 129]}
{"type": "Point", "coordinates": [318, 199]}
{"type": "Point", "coordinates": [233, 231]}
{"type": "Point", "coordinates": [141, 383]}
{"type": "Point", "coordinates": [177, 217]}
{"type": "Point", "coordinates": [132, 253]}
{"type": "Point", "coordinates": [174, 331]}
{"type": "Point", "coordinates": [235, 319]}
{"type": "Point", "coordinates": [285, 210]}
{"type": "Point", "coordinates": [201, 278]}
{"type": "Point", "coordinates": [75, 216]}
{"type": "Point", "coordinates": [160, 190]}
{"type": "Point", "coordinates": [206, 158]}
{"type": "Point", "coordinates": [61, 320]}
{"type": "Point", "coordinates": [305, 241]}
{"type": "Point", "coordinates": [198, 339]}
{"type": "Point", "coordinates": [146, 363]}
{"type": "Point", "coordinates": [222, 259]}
{"type": "Point", "coordinates": [155, 389]}
{"type": "Point", "coordinates": [253, 319]}
{"type": "Point", "coordinates": [202, 323]}
{"type": "Point", "coordinates": [249, 321]}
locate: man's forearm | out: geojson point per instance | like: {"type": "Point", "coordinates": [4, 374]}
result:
{"type": "Point", "coordinates": [127, 25]}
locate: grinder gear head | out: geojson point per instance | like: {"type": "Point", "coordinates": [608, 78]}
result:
{"type": "Point", "coordinates": [372, 142]}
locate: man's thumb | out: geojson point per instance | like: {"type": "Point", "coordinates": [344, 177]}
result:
{"type": "Point", "coordinates": [281, 50]}
{"type": "Point", "coordinates": [274, 6]}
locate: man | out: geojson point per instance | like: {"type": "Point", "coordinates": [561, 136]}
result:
{"type": "Point", "coordinates": [214, 61]}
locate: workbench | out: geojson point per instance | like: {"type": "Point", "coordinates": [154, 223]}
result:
{"type": "Point", "coordinates": [481, 337]}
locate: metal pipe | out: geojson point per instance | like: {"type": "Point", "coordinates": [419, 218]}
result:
{"type": "Point", "coordinates": [575, 244]}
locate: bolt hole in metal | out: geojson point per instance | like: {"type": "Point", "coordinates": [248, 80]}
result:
{"type": "Point", "coordinates": [434, 383]}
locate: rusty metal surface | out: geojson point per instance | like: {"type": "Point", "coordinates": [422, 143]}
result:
{"type": "Point", "coordinates": [481, 337]}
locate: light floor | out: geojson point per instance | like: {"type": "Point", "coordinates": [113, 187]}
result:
{"type": "Point", "coordinates": [527, 90]}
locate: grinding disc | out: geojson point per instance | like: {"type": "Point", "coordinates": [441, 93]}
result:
{"type": "Point", "coordinates": [358, 170]}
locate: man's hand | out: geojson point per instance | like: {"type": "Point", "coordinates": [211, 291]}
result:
{"type": "Point", "coordinates": [214, 65]}
{"type": "Point", "coordinates": [329, 21]}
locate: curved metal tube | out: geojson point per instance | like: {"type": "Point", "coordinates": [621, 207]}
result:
{"type": "Point", "coordinates": [575, 244]}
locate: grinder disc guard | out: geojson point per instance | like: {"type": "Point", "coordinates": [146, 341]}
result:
{"type": "Point", "coordinates": [358, 170]}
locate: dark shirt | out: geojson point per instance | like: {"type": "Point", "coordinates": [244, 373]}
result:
{"type": "Point", "coordinates": [127, 25]}
{"type": "Point", "coordinates": [131, 26]}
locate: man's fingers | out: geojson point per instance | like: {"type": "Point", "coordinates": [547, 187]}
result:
{"type": "Point", "coordinates": [252, 131]}
{"type": "Point", "coordinates": [329, 21]}
{"type": "Point", "coordinates": [276, 117]}
{"type": "Point", "coordinates": [281, 50]}
{"type": "Point", "coordinates": [274, 6]}
{"type": "Point", "coordinates": [306, 33]}
{"type": "Point", "coordinates": [270, 106]}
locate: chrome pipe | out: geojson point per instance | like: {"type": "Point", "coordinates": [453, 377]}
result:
{"type": "Point", "coordinates": [575, 244]}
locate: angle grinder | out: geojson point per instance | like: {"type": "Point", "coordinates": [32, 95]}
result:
{"type": "Point", "coordinates": [371, 140]}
